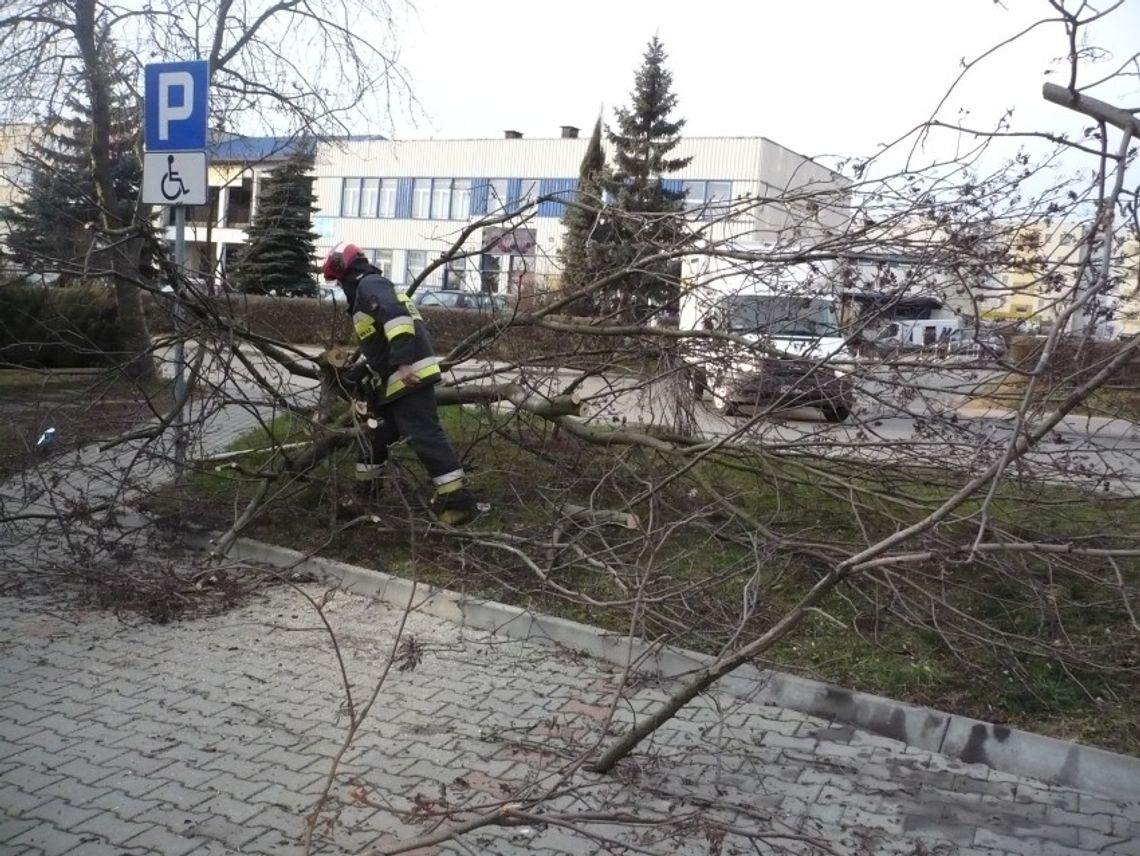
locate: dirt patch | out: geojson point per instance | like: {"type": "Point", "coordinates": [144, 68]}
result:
{"type": "Point", "coordinates": [82, 407]}
{"type": "Point", "coordinates": [142, 578]}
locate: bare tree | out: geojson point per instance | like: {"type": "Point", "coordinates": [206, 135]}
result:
{"type": "Point", "coordinates": [645, 493]}
{"type": "Point", "coordinates": [53, 49]}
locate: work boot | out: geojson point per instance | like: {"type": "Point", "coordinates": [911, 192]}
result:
{"type": "Point", "coordinates": [456, 508]}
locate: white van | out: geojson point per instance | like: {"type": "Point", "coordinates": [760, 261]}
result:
{"type": "Point", "coordinates": [788, 351]}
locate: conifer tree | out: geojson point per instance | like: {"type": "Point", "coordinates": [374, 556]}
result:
{"type": "Point", "coordinates": [649, 214]}
{"type": "Point", "coordinates": [279, 253]}
{"type": "Point", "coordinates": [583, 222]}
{"type": "Point", "coordinates": [53, 226]}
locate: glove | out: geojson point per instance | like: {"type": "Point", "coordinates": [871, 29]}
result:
{"type": "Point", "coordinates": [358, 379]}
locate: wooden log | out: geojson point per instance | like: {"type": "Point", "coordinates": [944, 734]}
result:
{"type": "Point", "coordinates": [582, 514]}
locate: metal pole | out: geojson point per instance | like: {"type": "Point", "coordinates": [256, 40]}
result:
{"type": "Point", "coordinates": [180, 379]}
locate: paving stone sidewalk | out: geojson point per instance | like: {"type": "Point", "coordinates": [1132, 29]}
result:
{"type": "Point", "coordinates": [215, 736]}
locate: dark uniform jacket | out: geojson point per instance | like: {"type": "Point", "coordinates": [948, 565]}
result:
{"type": "Point", "coordinates": [391, 332]}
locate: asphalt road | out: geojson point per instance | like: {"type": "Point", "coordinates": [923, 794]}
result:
{"type": "Point", "coordinates": [921, 415]}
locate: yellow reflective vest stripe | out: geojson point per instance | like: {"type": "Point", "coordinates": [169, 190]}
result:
{"type": "Point", "coordinates": [364, 325]}
{"type": "Point", "coordinates": [424, 369]}
{"type": "Point", "coordinates": [400, 326]}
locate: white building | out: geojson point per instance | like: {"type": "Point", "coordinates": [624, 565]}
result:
{"type": "Point", "coordinates": [405, 202]}
{"type": "Point", "coordinates": [15, 177]}
{"type": "Point", "coordinates": [215, 231]}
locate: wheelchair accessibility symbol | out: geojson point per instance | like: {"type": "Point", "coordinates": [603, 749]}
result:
{"type": "Point", "coordinates": [175, 178]}
{"type": "Point", "coordinates": [173, 187]}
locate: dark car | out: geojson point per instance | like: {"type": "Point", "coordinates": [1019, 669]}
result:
{"type": "Point", "coordinates": [780, 384]}
{"type": "Point", "coordinates": [795, 383]}
{"type": "Point", "coordinates": [303, 288]}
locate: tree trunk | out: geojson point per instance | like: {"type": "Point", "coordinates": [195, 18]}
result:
{"type": "Point", "coordinates": [134, 338]}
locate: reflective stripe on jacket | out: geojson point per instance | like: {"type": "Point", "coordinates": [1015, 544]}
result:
{"type": "Point", "coordinates": [392, 333]}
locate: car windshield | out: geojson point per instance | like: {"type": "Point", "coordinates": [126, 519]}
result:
{"type": "Point", "coordinates": [781, 316]}
{"type": "Point", "coordinates": [493, 302]}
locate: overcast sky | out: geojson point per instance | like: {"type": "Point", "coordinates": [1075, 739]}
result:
{"type": "Point", "coordinates": [820, 76]}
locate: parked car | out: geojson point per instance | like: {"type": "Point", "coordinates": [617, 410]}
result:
{"type": "Point", "coordinates": [788, 351]}
{"type": "Point", "coordinates": [303, 288]}
{"type": "Point", "coordinates": [330, 292]}
{"type": "Point", "coordinates": [968, 340]}
{"type": "Point", "coordinates": [493, 302]}
{"type": "Point", "coordinates": [446, 299]}
{"type": "Point", "coordinates": [477, 300]}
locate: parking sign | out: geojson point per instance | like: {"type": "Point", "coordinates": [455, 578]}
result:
{"type": "Point", "coordinates": [177, 107]}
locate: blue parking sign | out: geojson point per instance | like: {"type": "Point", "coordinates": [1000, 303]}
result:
{"type": "Point", "coordinates": [176, 105]}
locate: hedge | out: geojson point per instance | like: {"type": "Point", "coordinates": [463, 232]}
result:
{"type": "Point", "coordinates": [1075, 360]}
{"type": "Point", "coordinates": [58, 328]}
{"type": "Point", "coordinates": [303, 321]}
{"type": "Point", "coordinates": [78, 326]}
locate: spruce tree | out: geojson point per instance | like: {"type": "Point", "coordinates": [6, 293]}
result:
{"type": "Point", "coordinates": [582, 222]}
{"type": "Point", "coordinates": [281, 242]}
{"type": "Point", "coordinates": [54, 226]}
{"type": "Point", "coordinates": [648, 213]}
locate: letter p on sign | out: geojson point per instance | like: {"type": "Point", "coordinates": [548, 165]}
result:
{"type": "Point", "coordinates": [177, 106]}
{"type": "Point", "coordinates": [167, 112]}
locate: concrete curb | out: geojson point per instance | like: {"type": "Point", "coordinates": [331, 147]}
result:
{"type": "Point", "coordinates": [1020, 753]}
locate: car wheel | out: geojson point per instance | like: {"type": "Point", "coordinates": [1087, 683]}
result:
{"type": "Point", "coordinates": [835, 412]}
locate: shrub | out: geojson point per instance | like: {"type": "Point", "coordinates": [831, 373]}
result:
{"type": "Point", "coordinates": [78, 326]}
{"type": "Point", "coordinates": [1075, 361]}
{"type": "Point", "coordinates": [302, 321]}
{"type": "Point", "coordinates": [298, 320]}
{"type": "Point", "coordinates": [54, 328]}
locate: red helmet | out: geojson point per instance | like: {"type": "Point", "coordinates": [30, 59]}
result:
{"type": "Point", "coordinates": [340, 259]}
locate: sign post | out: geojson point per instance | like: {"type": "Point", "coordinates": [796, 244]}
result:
{"type": "Point", "coordinates": [176, 174]}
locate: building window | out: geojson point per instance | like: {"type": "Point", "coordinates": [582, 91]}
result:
{"type": "Point", "coordinates": [421, 198]}
{"type": "Point", "coordinates": [369, 194]}
{"type": "Point", "coordinates": [239, 203]}
{"type": "Point", "coordinates": [18, 176]}
{"type": "Point", "coordinates": [433, 198]}
{"type": "Point", "coordinates": [521, 273]}
{"type": "Point", "coordinates": [496, 195]}
{"type": "Point", "coordinates": [718, 192]}
{"type": "Point", "coordinates": [455, 274]}
{"type": "Point", "coordinates": [387, 198]}
{"type": "Point", "coordinates": [489, 273]}
{"type": "Point", "coordinates": [461, 199]}
{"type": "Point", "coordinates": [350, 198]}
{"type": "Point", "coordinates": [382, 259]}
{"type": "Point", "coordinates": [440, 199]}
{"type": "Point", "coordinates": [417, 261]}
{"type": "Point", "coordinates": [711, 197]}
{"type": "Point", "coordinates": [528, 193]}
{"type": "Point", "coordinates": [694, 194]}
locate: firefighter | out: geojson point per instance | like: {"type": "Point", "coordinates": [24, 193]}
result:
{"type": "Point", "coordinates": [396, 375]}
